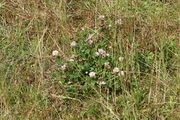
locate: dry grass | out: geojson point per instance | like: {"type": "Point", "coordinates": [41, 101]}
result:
{"type": "Point", "coordinates": [30, 83]}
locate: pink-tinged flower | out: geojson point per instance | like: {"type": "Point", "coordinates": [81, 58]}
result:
{"type": "Point", "coordinates": [101, 51]}
{"type": "Point", "coordinates": [90, 42]}
{"type": "Point", "coordinates": [106, 65]}
{"type": "Point", "coordinates": [92, 74]}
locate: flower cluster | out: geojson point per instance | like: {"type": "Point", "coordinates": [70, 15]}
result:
{"type": "Point", "coordinates": [100, 52]}
{"type": "Point", "coordinates": [89, 63]}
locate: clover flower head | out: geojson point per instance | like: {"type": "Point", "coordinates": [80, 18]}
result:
{"type": "Point", "coordinates": [71, 60]}
{"type": "Point", "coordinates": [82, 28]}
{"type": "Point", "coordinates": [97, 53]}
{"type": "Point", "coordinates": [63, 67]}
{"type": "Point", "coordinates": [119, 22]}
{"type": "Point", "coordinates": [101, 17]}
{"type": "Point", "coordinates": [92, 74]}
{"type": "Point", "coordinates": [106, 65]}
{"type": "Point", "coordinates": [73, 44]}
{"type": "Point", "coordinates": [90, 42]}
{"type": "Point", "coordinates": [116, 70]}
{"type": "Point", "coordinates": [121, 58]}
{"type": "Point", "coordinates": [107, 54]}
{"type": "Point", "coordinates": [110, 47]}
{"type": "Point", "coordinates": [55, 53]}
{"type": "Point", "coordinates": [102, 83]}
{"type": "Point", "coordinates": [101, 51]}
{"type": "Point", "coordinates": [121, 73]}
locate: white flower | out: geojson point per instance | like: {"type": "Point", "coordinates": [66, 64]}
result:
{"type": "Point", "coordinates": [116, 70]}
{"type": "Point", "coordinates": [106, 63]}
{"type": "Point", "coordinates": [83, 28]}
{"type": "Point", "coordinates": [119, 21]}
{"type": "Point", "coordinates": [97, 53]}
{"type": "Point", "coordinates": [121, 73]}
{"type": "Point", "coordinates": [108, 67]}
{"type": "Point", "coordinates": [101, 17]}
{"type": "Point", "coordinates": [110, 25]}
{"type": "Point", "coordinates": [90, 42]}
{"type": "Point", "coordinates": [101, 51]}
{"type": "Point", "coordinates": [55, 53]}
{"type": "Point", "coordinates": [63, 67]}
{"type": "Point", "coordinates": [92, 74]}
{"type": "Point", "coordinates": [86, 72]}
{"type": "Point", "coordinates": [71, 60]}
{"type": "Point", "coordinates": [110, 47]}
{"type": "Point", "coordinates": [69, 82]}
{"type": "Point", "coordinates": [121, 58]}
{"type": "Point", "coordinates": [73, 44]}
{"type": "Point", "coordinates": [102, 83]}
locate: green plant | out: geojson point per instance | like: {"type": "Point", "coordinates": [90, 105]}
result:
{"type": "Point", "coordinates": [90, 57]}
